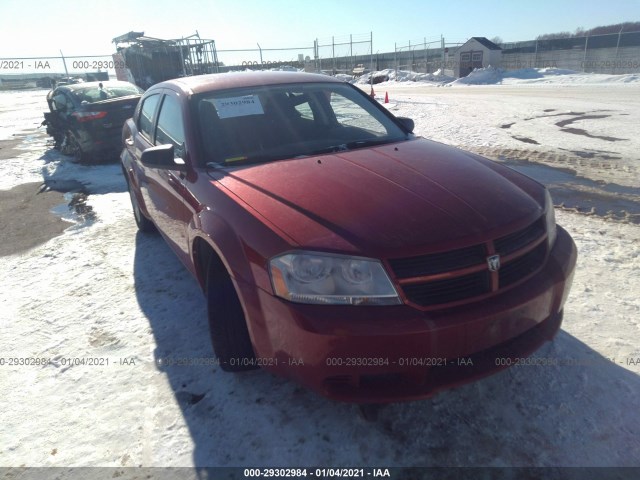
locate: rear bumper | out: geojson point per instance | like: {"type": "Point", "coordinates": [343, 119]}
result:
{"type": "Point", "coordinates": [385, 354]}
{"type": "Point", "coordinates": [100, 140]}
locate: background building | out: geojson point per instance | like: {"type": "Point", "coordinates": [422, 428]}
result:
{"type": "Point", "coordinates": [477, 52]}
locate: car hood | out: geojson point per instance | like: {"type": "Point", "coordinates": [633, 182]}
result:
{"type": "Point", "coordinates": [385, 201]}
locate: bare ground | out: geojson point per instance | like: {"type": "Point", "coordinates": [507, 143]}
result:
{"type": "Point", "coordinates": [26, 217]}
{"type": "Point", "coordinates": [25, 211]}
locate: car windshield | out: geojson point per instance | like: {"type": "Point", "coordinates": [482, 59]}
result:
{"type": "Point", "coordinates": [95, 93]}
{"type": "Point", "coordinates": [265, 123]}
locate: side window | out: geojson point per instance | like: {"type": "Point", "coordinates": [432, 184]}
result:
{"type": "Point", "coordinates": [350, 114]}
{"type": "Point", "coordinates": [170, 127]}
{"type": "Point", "coordinates": [70, 103]}
{"type": "Point", "coordinates": [145, 122]}
{"type": "Point", "coordinates": [60, 102]}
{"type": "Point", "coordinates": [304, 109]}
{"type": "Point", "coordinates": [301, 104]}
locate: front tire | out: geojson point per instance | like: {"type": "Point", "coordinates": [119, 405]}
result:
{"type": "Point", "coordinates": [70, 146]}
{"type": "Point", "coordinates": [227, 325]}
{"type": "Point", "coordinates": [144, 224]}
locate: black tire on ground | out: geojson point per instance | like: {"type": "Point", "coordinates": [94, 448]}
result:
{"type": "Point", "coordinates": [70, 146]}
{"type": "Point", "coordinates": [58, 140]}
{"type": "Point", "coordinates": [144, 224]}
{"type": "Point", "coordinates": [227, 325]}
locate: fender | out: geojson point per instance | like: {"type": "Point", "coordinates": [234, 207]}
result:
{"type": "Point", "coordinates": [220, 236]}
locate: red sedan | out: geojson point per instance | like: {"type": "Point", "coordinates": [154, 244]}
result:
{"type": "Point", "coordinates": [335, 247]}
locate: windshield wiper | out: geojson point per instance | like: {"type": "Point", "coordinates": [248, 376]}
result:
{"type": "Point", "coordinates": [332, 149]}
{"type": "Point", "coordinates": [354, 145]}
{"type": "Point", "coordinates": [238, 161]}
{"type": "Point", "coordinates": [215, 165]}
{"type": "Point", "coordinates": [265, 158]}
{"type": "Point", "coordinates": [371, 142]}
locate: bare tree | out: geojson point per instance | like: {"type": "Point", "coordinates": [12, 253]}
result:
{"type": "Point", "coordinates": [602, 30]}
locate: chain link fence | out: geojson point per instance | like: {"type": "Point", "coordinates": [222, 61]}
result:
{"type": "Point", "coordinates": [608, 54]}
{"type": "Point", "coordinates": [344, 54]}
{"type": "Point", "coordinates": [260, 58]}
{"type": "Point", "coordinates": [332, 55]}
{"type": "Point", "coordinates": [354, 55]}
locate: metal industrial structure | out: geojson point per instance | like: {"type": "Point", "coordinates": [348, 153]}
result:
{"type": "Point", "coordinates": [146, 60]}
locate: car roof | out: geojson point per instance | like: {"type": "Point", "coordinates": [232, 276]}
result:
{"type": "Point", "coordinates": [223, 81]}
{"type": "Point", "coordinates": [82, 85]}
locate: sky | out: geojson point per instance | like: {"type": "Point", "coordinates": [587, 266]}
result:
{"type": "Point", "coordinates": [38, 28]}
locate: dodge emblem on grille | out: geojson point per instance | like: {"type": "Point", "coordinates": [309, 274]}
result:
{"type": "Point", "coordinates": [494, 263]}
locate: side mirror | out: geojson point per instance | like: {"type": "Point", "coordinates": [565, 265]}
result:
{"type": "Point", "coordinates": [162, 156]}
{"type": "Point", "coordinates": [407, 123]}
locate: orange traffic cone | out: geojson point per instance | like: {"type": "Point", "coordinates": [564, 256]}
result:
{"type": "Point", "coordinates": [386, 97]}
{"type": "Point", "coordinates": [372, 94]}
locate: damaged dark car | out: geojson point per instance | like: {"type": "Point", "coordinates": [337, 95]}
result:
{"type": "Point", "coordinates": [86, 119]}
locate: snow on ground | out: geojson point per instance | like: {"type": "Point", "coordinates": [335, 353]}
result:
{"type": "Point", "coordinates": [552, 76]}
{"type": "Point", "coordinates": [591, 129]}
{"type": "Point", "coordinates": [121, 302]}
{"type": "Point", "coordinates": [16, 122]}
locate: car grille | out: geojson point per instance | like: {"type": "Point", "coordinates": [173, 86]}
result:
{"type": "Point", "coordinates": [438, 262]}
{"type": "Point", "coordinates": [463, 274]}
{"type": "Point", "coordinates": [450, 290]}
{"type": "Point", "coordinates": [522, 266]}
{"type": "Point", "coordinates": [522, 238]}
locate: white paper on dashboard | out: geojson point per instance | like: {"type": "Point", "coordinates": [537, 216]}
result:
{"type": "Point", "coordinates": [238, 106]}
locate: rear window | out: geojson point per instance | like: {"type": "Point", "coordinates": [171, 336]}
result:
{"type": "Point", "coordinates": [266, 123]}
{"type": "Point", "coordinates": [108, 91]}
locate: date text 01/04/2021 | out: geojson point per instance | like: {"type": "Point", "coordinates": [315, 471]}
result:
{"type": "Point", "coordinates": [60, 361]}
{"type": "Point", "coordinates": [316, 472]}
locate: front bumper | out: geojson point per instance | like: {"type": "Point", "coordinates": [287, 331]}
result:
{"type": "Point", "coordinates": [385, 354]}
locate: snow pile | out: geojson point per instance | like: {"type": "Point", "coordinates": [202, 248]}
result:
{"type": "Point", "coordinates": [344, 77]}
{"type": "Point", "coordinates": [497, 76]}
{"type": "Point", "coordinates": [481, 76]}
{"type": "Point", "coordinates": [491, 75]}
{"type": "Point", "coordinates": [392, 75]}
{"type": "Point", "coordinates": [494, 76]}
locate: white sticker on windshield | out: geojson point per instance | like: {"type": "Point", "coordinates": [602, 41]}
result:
{"type": "Point", "coordinates": [238, 106]}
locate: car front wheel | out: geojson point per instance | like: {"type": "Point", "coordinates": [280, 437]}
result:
{"type": "Point", "coordinates": [144, 224]}
{"type": "Point", "coordinates": [228, 327]}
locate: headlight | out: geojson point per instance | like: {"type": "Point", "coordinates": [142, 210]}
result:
{"type": "Point", "coordinates": [550, 218]}
{"type": "Point", "coordinates": [310, 277]}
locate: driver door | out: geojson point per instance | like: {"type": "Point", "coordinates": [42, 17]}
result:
{"type": "Point", "coordinates": [162, 188]}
